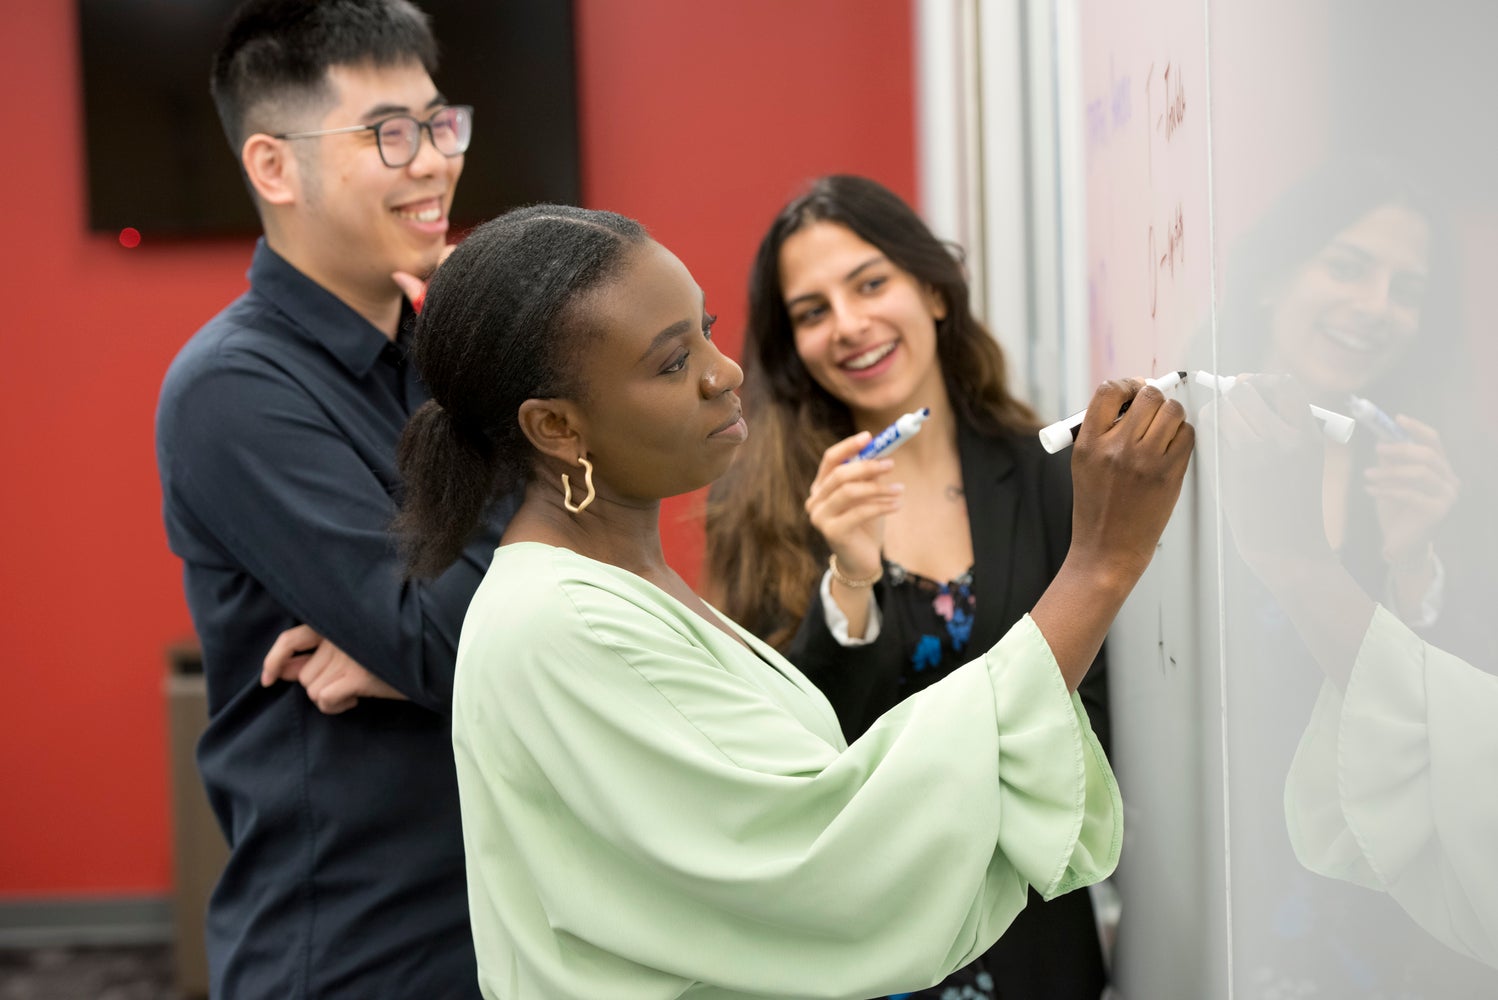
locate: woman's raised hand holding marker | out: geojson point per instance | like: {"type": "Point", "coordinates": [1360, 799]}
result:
{"type": "Point", "coordinates": [1126, 475]}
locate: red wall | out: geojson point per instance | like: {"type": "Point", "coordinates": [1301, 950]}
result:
{"type": "Point", "coordinates": [702, 118]}
{"type": "Point", "coordinates": [698, 118]}
{"type": "Point", "coordinates": [90, 594]}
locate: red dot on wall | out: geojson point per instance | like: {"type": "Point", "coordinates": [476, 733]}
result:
{"type": "Point", "coordinates": [129, 237]}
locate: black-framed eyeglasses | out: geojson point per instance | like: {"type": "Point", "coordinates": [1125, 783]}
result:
{"type": "Point", "coordinates": [399, 136]}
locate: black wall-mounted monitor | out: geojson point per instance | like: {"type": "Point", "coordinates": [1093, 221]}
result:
{"type": "Point", "coordinates": [157, 159]}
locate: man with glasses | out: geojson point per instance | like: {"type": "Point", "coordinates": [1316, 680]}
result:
{"type": "Point", "coordinates": [327, 756]}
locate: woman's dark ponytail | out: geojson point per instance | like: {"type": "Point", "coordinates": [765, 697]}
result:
{"type": "Point", "coordinates": [449, 476]}
{"type": "Point", "coordinates": [498, 327]}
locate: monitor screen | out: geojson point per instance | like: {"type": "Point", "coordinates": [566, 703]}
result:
{"type": "Point", "coordinates": [157, 159]}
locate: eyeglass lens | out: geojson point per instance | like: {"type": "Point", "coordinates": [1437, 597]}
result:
{"type": "Point", "coordinates": [400, 137]}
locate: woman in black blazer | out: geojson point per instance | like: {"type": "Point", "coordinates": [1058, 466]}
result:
{"type": "Point", "coordinates": [878, 578]}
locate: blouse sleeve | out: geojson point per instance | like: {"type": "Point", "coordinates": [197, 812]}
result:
{"type": "Point", "coordinates": [846, 675]}
{"type": "Point", "coordinates": [681, 815]}
{"type": "Point", "coordinates": [1390, 786]}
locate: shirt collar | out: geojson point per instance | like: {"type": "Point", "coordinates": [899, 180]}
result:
{"type": "Point", "coordinates": [319, 314]}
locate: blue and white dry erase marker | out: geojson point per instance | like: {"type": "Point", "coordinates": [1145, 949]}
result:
{"type": "Point", "coordinates": [1060, 435]}
{"type": "Point", "coordinates": [894, 435]}
{"type": "Point", "coordinates": [1336, 426]}
{"type": "Point", "coordinates": [1383, 426]}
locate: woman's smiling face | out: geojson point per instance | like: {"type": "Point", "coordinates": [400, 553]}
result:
{"type": "Point", "coordinates": [1350, 313]}
{"type": "Point", "coordinates": [864, 328]}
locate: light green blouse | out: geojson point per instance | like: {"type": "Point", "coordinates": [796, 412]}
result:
{"type": "Point", "coordinates": [650, 810]}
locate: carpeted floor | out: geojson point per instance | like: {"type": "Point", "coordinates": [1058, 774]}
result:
{"type": "Point", "coordinates": [114, 973]}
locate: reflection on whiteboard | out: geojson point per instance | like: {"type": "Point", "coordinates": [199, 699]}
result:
{"type": "Point", "coordinates": [1308, 192]}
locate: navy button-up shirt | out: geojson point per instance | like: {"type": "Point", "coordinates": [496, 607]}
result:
{"type": "Point", "coordinates": [275, 435]}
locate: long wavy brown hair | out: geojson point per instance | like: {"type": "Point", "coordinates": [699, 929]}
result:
{"type": "Point", "coordinates": [764, 558]}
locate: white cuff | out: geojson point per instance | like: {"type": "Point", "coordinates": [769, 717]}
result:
{"type": "Point", "coordinates": [1430, 604]}
{"type": "Point", "coordinates": [837, 622]}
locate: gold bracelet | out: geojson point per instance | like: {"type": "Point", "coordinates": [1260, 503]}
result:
{"type": "Point", "coordinates": [848, 581]}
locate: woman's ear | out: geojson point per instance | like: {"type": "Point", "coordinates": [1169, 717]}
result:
{"type": "Point", "coordinates": [273, 172]}
{"type": "Point", "coordinates": [550, 425]}
{"type": "Point", "coordinates": [936, 302]}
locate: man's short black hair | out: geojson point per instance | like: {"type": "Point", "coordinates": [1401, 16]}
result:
{"type": "Point", "coordinates": [276, 54]}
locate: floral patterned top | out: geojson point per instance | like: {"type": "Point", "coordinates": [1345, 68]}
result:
{"type": "Point", "coordinates": [941, 615]}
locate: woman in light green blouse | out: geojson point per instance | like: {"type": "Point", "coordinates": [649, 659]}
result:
{"type": "Point", "coordinates": [655, 803]}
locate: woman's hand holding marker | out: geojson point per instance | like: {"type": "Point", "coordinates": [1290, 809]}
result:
{"type": "Point", "coordinates": [1126, 477]}
{"type": "Point", "coordinates": [1060, 435]}
{"type": "Point", "coordinates": [1413, 488]}
{"type": "Point", "coordinates": [848, 508]}
{"type": "Point", "coordinates": [1126, 474]}
{"type": "Point", "coordinates": [848, 502]}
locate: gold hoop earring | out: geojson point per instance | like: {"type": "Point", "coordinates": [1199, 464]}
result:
{"type": "Point", "coordinates": [578, 508]}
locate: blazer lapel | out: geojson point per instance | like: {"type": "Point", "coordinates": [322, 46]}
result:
{"type": "Point", "coordinates": [989, 483]}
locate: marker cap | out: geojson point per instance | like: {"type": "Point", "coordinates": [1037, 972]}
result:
{"type": "Point", "coordinates": [1337, 426]}
{"type": "Point", "coordinates": [1056, 437]}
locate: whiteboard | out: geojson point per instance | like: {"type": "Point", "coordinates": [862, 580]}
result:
{"type": "Point", "coordinates": [1306, 188]}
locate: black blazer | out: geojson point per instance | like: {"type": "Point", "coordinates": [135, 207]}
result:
{"type": "Point", "coordinates": [1019, 512]}
{"type": "Point", "coordinates": [1019, 502]}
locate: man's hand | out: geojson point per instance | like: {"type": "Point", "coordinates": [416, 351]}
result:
{"type": "Point", "coordinates": [332, 679]}
{"type": "Point", "coordinates": [415, 288]}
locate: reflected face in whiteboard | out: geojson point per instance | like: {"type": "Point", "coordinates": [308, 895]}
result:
{"type": "Point", "coordinates": [864, 328]}
{"type": "Point", "coordinates": [1350, 313]}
